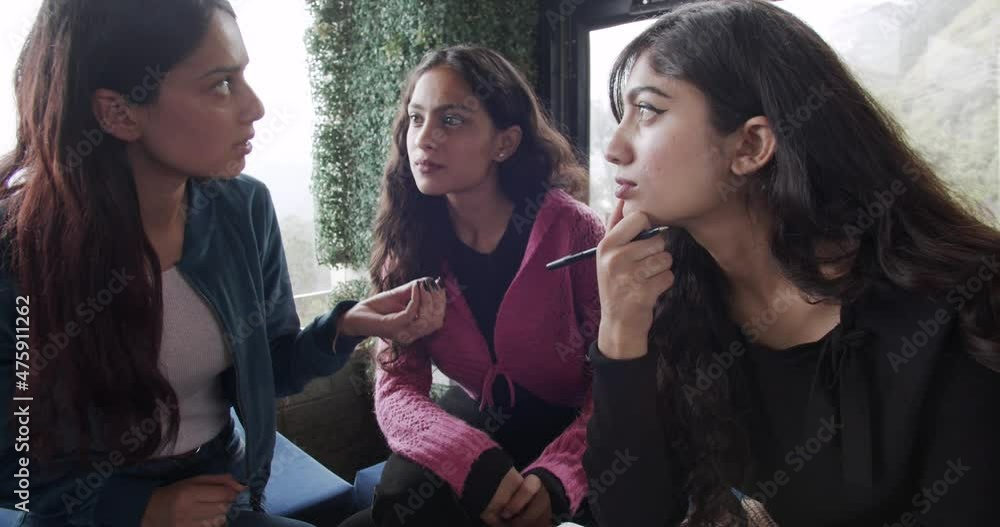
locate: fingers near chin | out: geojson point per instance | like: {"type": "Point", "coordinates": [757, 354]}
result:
{"type": "Point", "coordinates": [618, 213]}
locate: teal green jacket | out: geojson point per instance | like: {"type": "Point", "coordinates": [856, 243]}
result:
{"type": "Point", "coordinates": [233, 257]}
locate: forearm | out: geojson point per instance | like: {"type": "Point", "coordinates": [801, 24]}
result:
{"type": "Point", "coordinates": [562, 459]}
{"type": "Point", "coordinates": [420, 430]}
{"type": "Point", "coordinates": [632, 479]}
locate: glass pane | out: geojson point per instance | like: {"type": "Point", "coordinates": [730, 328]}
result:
{"type": "Point", "coordinates": [282, 157]}
{"type": "Point", "coordinates": [16, 19]}
{"type": "Point", "coordinates": [605, 45]}
{"type": "Point", "coordinates": [933, 65]}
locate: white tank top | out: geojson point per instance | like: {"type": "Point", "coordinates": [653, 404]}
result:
{"type": "Point", "coordinates": [192, 357]}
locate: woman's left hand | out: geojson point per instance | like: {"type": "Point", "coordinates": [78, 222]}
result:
{"type": "Point", "coordinates": [403, 315]}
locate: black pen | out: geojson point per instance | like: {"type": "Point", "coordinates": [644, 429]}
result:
{"type": "Point", "coordinates": [566, 260]}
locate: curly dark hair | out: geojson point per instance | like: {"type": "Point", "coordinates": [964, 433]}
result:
{"type": "Point", "coordinates": [408, 240]}
{"type": "Point", "coordinates": [750, 58]}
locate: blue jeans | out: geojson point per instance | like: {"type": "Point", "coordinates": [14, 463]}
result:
{"type": "Point", "coordinates": [223, 454]}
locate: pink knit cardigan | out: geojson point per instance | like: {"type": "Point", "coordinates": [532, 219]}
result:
{"type": "Point", "coordinates": [545, 322]}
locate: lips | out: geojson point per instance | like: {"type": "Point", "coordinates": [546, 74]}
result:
{"type": "Point", "coordinates": [245, 146]}
{"type": "Point", "coordinates": [424, 165]}
{"type": "Point", "coordinates": [622, 181]}
{"type": "Point", "coordinates": [624, 188]}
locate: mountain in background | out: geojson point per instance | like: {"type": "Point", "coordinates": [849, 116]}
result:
{"type": "Point", "coordinates": [933, 64]}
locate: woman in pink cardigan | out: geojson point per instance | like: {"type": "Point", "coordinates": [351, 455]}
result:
{"type": "Point", "coordinates": [473, 193]}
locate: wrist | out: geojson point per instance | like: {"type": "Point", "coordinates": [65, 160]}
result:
{"type": "Point", "coordinates": [618, 342]}
{"type": "Point", "coordinates": [347, 323]}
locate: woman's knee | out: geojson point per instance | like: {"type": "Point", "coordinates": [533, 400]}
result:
{"type": "Point", "coordinates": [402, 478]}
{"type": "Point", "coordinates": [410, 494]}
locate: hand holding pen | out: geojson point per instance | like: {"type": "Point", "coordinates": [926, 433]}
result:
{"type": "Point", "coordinates": [631, 276]}
{"type": "Point", "coordinates": [590, 253]}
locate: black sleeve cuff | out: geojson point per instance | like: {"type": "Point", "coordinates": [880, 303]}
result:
{"type": "Point", "coordinates": [483, 480]}
{"type": "Point", "coordinates": [343, 344]}
{"type": "Point", "coordinates": [602, 361]}
{"type": "Point", "coordinates": [557, 493]}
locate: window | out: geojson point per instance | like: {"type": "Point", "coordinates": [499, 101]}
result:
{"type": "Point", "coordinates": [605, 45]}
{"type": "Point", "coordinates": [15, 22]}
{"type": "Point", "coordinates": [932, 64]}
{"type": "Point", "coordinates": [282, 158]}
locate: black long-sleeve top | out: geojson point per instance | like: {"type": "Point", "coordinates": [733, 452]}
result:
{"type": "Point", "coordinates": [885, 421]}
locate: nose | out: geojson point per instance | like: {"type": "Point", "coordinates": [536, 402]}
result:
{"type": "Point", "coordinates": [618, 151]}
{"type": "Point", "coordinates": [427, 136]}
{"type": "Point", "coordinates": [254, 110]}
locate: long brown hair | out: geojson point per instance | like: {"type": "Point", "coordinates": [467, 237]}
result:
{"type": "Point", "coordinates": [73, 239]}
{"type": "Point", "coordinates": [761, 60]}
{"type": "Point", "coordinates": [408, 242]}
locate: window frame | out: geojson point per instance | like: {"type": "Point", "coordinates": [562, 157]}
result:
{"type": "Point", "coordinates": [564, 55]}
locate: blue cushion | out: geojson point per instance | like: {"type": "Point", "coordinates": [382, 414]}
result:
{"type": "Point", "coordinates": [364, 485]}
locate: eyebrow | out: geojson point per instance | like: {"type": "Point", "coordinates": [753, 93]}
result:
{"type": "Point", "coordinates": [634, 92]}
{"type": "Point", "coordinates": [223, 69]}
{"type": "Point", "coordinates": [443, 107]}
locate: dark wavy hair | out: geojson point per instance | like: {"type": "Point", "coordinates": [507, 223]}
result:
{"type": "Point", "coordinates": [408, 239]}
{"type": "Point", "coordinates": [751, 58]}
{"type": "Point", "coordinates": [71, 218]}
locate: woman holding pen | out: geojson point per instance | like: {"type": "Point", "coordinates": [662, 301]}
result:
{"type": "Point", "coordinates": [773, 347]}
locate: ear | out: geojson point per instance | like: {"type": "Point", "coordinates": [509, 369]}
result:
{"type": "Point", "coordinates": [754, 146]}
{"type": "Point", "coordinates": [508, 141]}
{"type": "Point", "coordinates": [116, 116]}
